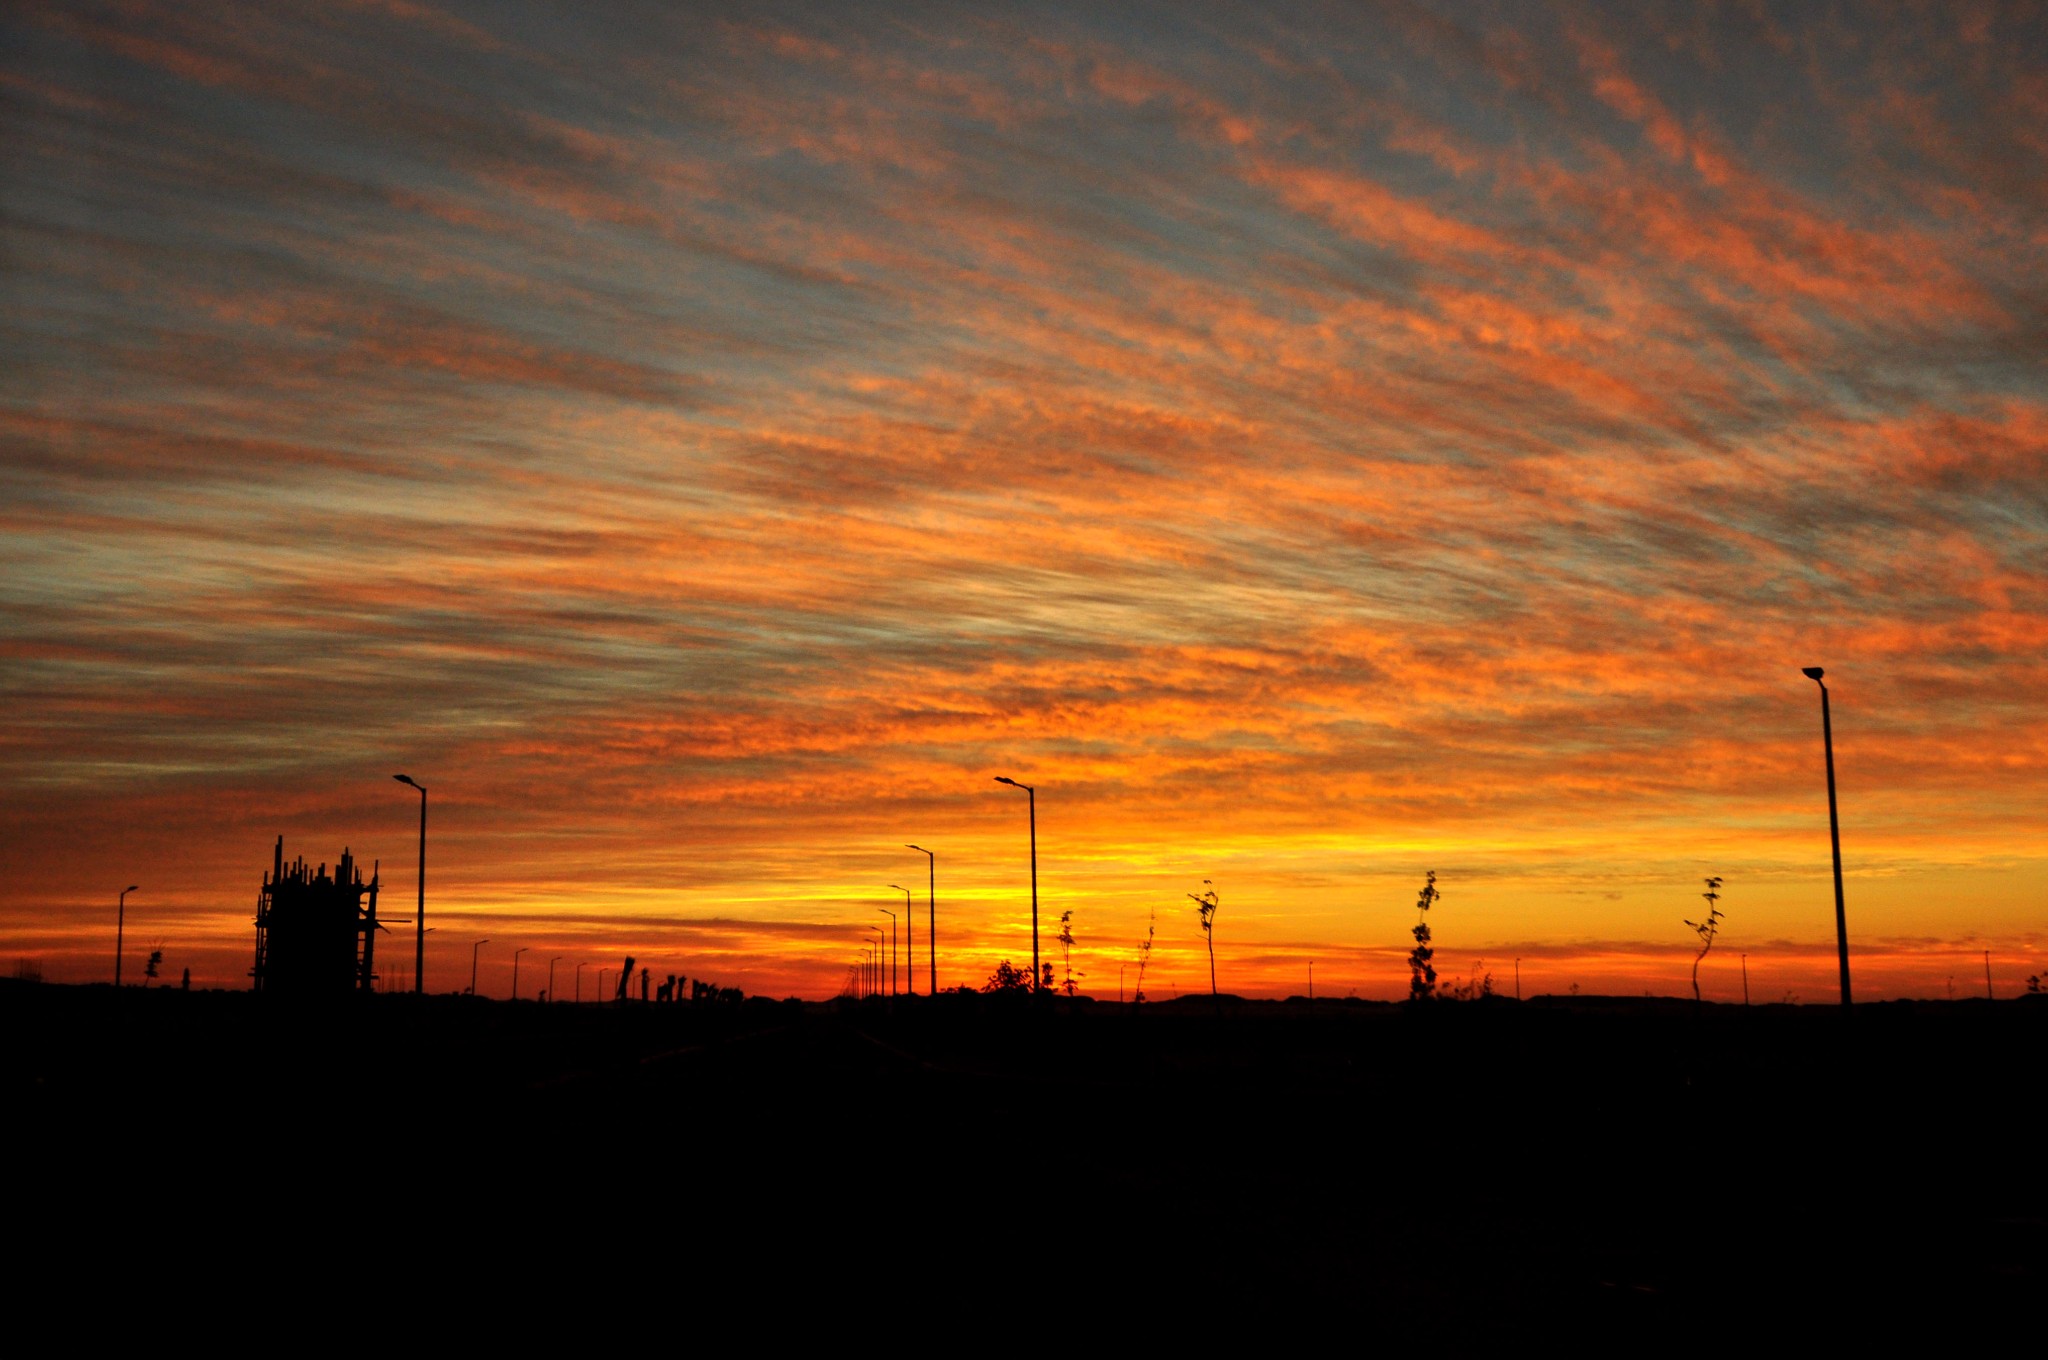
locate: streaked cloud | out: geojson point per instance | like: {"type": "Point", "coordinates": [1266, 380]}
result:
{"type": "Point", "coordinates": [1314, 444]}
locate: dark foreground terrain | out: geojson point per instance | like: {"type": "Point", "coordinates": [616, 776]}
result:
{"type": "Point", "coordinates": [970, 1173]}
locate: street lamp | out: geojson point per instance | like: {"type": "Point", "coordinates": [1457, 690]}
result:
{"type": "Point", "coordinates": [1032, 794]}
{"type": "Point", "coordinates": [1827, 737]}
{"type": "Point", "coordinates": [909, 946]}
{"type": "Point", "coordinates": [579, 982]}
{"type": "Point", "coordinates": [892, 947]}
{"type": "Point", "coordinates": [909, 943]}
{"type": "Point", "coordinates": [600, 984]}
{"type": "Point", "coordinates": [881, 947]}
{"type": "Point", "coordinates": [472, 964]}
{"type": "Point", "coordinates": [120, 929]}
{"type": "Point", "coordinates": [419, 948]}
{"type": "Point", "coordinates": [931, 921]}
{"type": "Point", "coordinates": [515, 971]}
{"type": "Point", "coordinates": [551, 978]}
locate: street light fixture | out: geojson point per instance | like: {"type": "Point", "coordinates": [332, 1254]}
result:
{"type": "Point", "coordinates": [881, 946]}
{"type": "Point", "coordinates": [600, 984]}
{"type": "Point", "coordinates": [1032, 794]}
{"type": "Point", "coordinates": [120, 929]}
{"type": "Point", "coordinates": [515, 971]}
{"type": "Point", "coordinates": [551, 978]}
{"type": "Point", "coordinates": [579, 982]}
{"type": "Point", "coordinates": [419, 948]}
{"type": "Point", "coordinates": [909, 947]}
{"type": "Point", "coordinates": [892, 947]}
{"type": "Point", "coordinates": [1827, 736]}
{"type": "Point", "coordinates": [931, 921]}
{"type": "Point", "coordinates": [472, 964]}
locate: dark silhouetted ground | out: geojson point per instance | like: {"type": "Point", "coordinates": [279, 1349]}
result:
{"type": "Point", "coordinates": [967, 1172]}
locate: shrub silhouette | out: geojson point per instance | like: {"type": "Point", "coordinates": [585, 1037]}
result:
{"type": "Point", "coordinates": [1007, 978]}
{"type": "Point", "coordinates": [1477, 986]}
{"type": "Point", "coordinates": [1422, 972]}
{"type": "Point", "coordinates": [1706, 930]}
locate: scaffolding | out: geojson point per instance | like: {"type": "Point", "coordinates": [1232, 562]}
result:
{"type": "Point", "coordinates": [316, 934]}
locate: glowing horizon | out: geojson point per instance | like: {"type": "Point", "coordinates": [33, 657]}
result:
{"type": "Point", "coordinates": [1312, 446]}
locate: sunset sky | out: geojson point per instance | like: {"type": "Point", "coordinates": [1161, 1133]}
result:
{"type": "Point", "coordinates": [1313, 444]}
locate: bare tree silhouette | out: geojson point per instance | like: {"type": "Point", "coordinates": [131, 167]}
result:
{"type": "Point", "coordinates": [1145, 955]}
{"type": "Point", "coordinates": [1066, 939]}
{"type": "Point", "coordinates": [1207, 902]}
{"type": "Point", "coordinates": [1706, 930]}
{"type": "Point", "coordinates": [1422, 972]}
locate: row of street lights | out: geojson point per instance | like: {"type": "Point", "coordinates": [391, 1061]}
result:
{"type": "Point", "coordinates": [870, 976]}
{"type": "Point", "coordinates": [1813, 673]}
{"type": "Point", "coordinates": [581, 964]}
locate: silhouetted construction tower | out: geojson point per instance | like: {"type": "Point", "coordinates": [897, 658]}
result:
{"type": "Point", "coordinates": [315, 935]}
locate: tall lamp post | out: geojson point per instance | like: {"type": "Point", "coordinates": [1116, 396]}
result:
{"type": "Point", "coordinates": [120, 929]}
{"type": "Point", "coordinates": [881, 956]}
{"type": "Point", "coordinates": [909, 943]}
{"type": "Point", "coordinates": [931, 919]}
{"type": "Point", "coordinates": [1827, 737]}
{"type": "Point", "coordinates": [1032, 794]}
{"type": "Point", "coordinates": [515, 971]}
{"type": "Point", "coordinates": [892, 947]}
{"type": "Point", "coordinates": [909, 949]}
{"type": "Point", "coordinates": [472, 964]}
{"type": "Point", "coordinates": [419, 948]}
{"type": "Point", "coordinates": [579, 983]}
{"type": "Point", "coordinates": [551, 978]}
